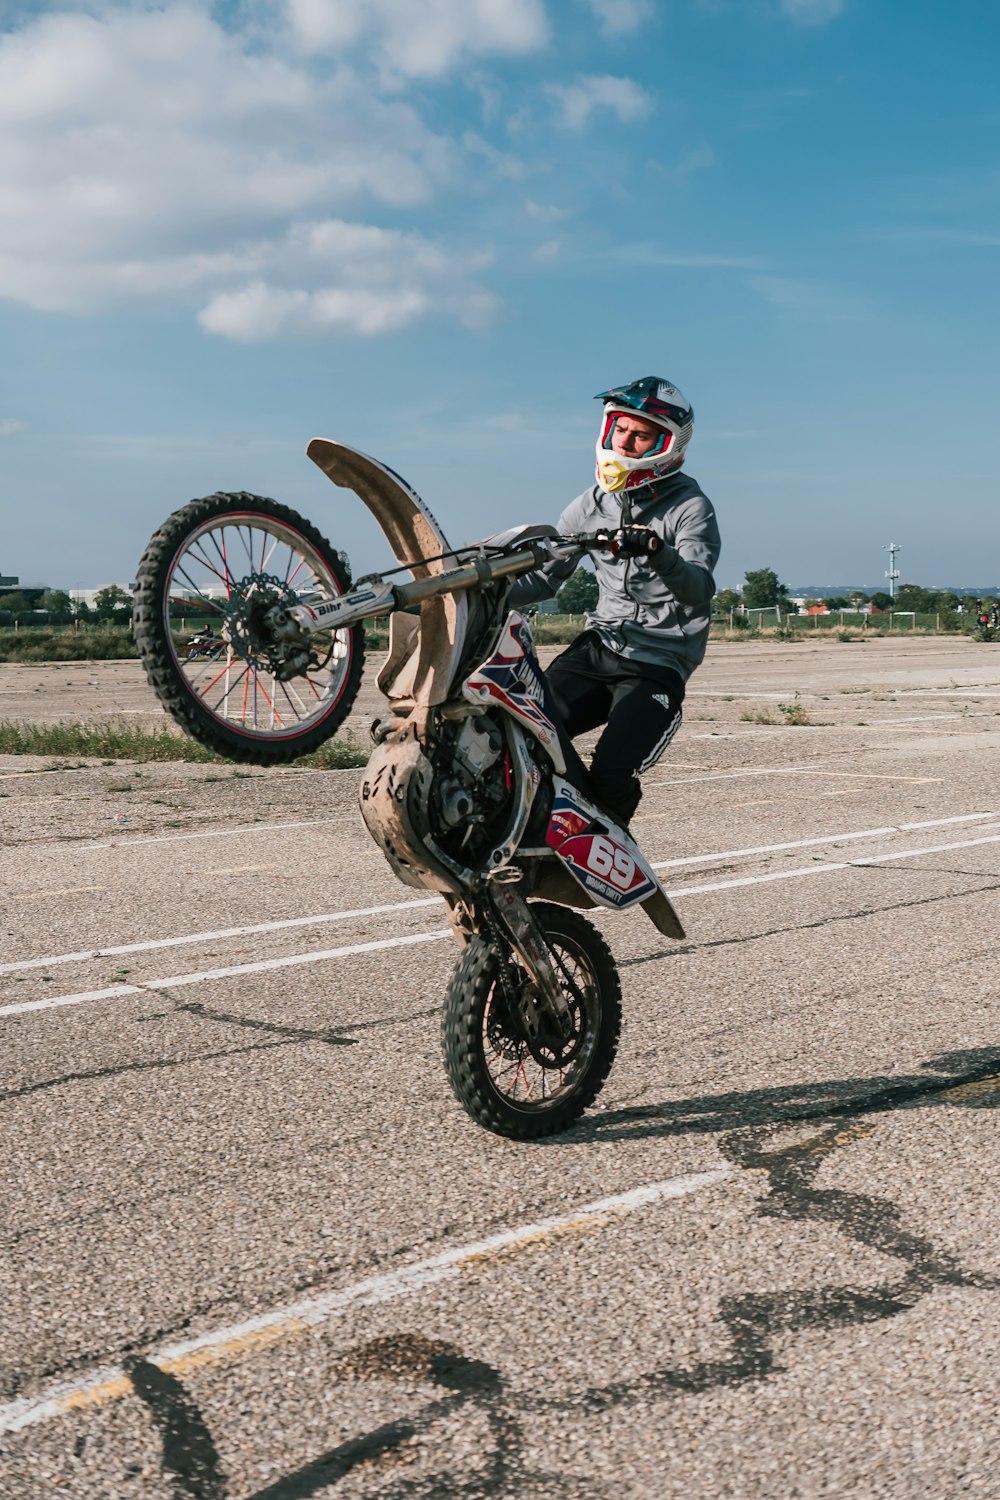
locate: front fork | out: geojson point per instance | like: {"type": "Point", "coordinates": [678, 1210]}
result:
{"type": "Point", "coordinates": [544, 999]}
{"type": "Point", "coordinates": [504, 913]}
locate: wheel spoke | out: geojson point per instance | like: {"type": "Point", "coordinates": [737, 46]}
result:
{"type": "Point", "coordinates": [213, 604]}
{"type": "Point", "coordinates": [205, 563]}
{"type": "Point", "coordinates": [221, 550]}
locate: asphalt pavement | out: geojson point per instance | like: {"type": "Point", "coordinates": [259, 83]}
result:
{"type": "Point", "coordinates": [253, 1248]}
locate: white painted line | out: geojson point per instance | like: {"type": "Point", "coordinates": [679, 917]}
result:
{"type": "Point", "coordinates": [128, 841]}
{"type": "Point", "coordinates": [176, 981]}
{"type": "Point", "coordinates": [726, 775]}
{"type": "Point", "coordinates": [291, 960]}
{"type": "Point", "coordinates": [211, 937]}
{"type": "Point", "coordinates": [88, 954]}
{"type": "Point", "coordinates": [915, 719]}
{"type": "Point", "coordinates": [99, 1387]}
{"type": "Point", "coordinates": [789, 770]}
{"type": "Point", "coordinates": [969, 692]}
{"type": "Point", "coordinates": [824, 869]}
{"type": "Point", "coordinates": [832, 838]}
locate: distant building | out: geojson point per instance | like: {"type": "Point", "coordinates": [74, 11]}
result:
{"type": "Point", "coordinates": [89, 596]}
{"type": "Point", "coordinates": [30, 592]}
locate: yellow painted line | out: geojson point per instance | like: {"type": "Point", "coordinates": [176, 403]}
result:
{"type": "Point", "coordinates": [69, 890]}
{"type": "Point", "coordinates": [973, 1090]}
{"type": "Point", "coordinates": [843, 1138]}
{"type": "Point", "coordinates": [98, 1395]}
{"type": "Point", "coordinates": [212, 1350]}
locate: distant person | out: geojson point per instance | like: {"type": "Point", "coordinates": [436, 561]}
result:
{"type": "Point", "coordinates": [649, 628]}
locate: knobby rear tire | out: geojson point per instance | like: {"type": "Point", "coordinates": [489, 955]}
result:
{"type": "Point", "coordinates": [150, 624]}
{"type": "Point", "coordinates": [474, 986]}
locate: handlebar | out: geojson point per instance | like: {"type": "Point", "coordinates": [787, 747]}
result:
{"type": "Point", "coordinates": [379, 597]}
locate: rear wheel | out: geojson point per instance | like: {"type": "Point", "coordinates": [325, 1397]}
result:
{"type": "Point", "coordinates": [221, 565]}
{"type": "Point", "coordinates": [506, 1083]}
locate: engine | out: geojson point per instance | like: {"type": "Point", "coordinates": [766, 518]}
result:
{"type": "Point", "coordinates": [469, 805]}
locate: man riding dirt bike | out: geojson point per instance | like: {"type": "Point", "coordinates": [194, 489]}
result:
{"type": "Point", "coordinates": [473, 788]}
{"type": "Point", "coordinates": [650, 627]}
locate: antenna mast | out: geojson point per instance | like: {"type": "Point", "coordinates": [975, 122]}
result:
{"type": "Point", "coordinates": [892, 572]}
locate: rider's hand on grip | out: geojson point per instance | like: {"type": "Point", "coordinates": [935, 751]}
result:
{"type": "Point", "coordinates": [634, 541]}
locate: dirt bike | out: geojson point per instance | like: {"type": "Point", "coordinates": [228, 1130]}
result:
{"type": "Point", "coordinates": [472, 790]}
{"type": "Point", "coordinates": [206, 643]}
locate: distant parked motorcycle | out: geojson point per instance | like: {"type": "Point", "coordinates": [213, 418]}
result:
{"type": "Point", "coordinates": [205, 643]}
{"type": "Point", "coordinates": [473, 788]}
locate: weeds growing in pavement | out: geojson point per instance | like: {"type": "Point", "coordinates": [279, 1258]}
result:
{"type": "Point", "coordinates": [116, 741]}
{"type": "Point", "coordinates": [756, 716]}
{"type": "Point", "coordinates": [794, 713]}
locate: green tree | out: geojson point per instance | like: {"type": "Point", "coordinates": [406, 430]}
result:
{"type": "Point", "coordinates": [913, 596]}
{"type": "Point", "coordinates": [57, 605]}
{"type": "Point", "coordinates": [578, 594]}
{"type": "Point", "coordinates": [12, 607]}
{"type": "Point", "coordinates": [726, 600]}
{"type": "Point", "coordinates": [837, 602]}
{"type": "Point", "coordinates": [857, 598]}
{"type": "Point", "coordinates": [113, 603]}
{"type": "Point", "coordinates": [763, 589]}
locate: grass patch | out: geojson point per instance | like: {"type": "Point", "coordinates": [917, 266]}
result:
{"type": "Point", "coordinates": [794, 713]}
{"type": "Point", "coordinates": [35, 643]}
{"type": "Point", "coordinates": [116, 741]}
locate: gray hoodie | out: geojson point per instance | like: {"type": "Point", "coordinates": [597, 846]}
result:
{"type": "Point", "coordinates": [651, 609]}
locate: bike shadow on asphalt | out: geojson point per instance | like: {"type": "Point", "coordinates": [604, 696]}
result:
{"type": "Point", "coordinates": [969, 1078]}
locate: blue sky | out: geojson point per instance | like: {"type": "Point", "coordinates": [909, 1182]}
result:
{"type": "Point", "coordinates": [435, 228]}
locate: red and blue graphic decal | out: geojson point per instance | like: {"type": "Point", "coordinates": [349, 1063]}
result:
{"type": "Point", "coordinates": [603, 865]}
{"type": "Point", "coordinates": [513, 678]}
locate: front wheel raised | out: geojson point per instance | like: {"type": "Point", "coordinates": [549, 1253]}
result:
{"type": "Point", "coordinates": [505, 1085]}
{"type": "Point", "coordinates": [226, 565]}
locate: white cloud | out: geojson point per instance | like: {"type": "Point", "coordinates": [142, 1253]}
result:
{"type": "Point", "coordinates": [340, 277]}
{"type": "Point", "coordinates": [577, 101]}
{"type": "Point", "coordinates": [620, 17]}
{"type": "Point", "coordinates": [812, 12]}
{"type": "Point", "coordinates": [152, 155]}
{"type": "Point", "coordinates": [644, 254]}
{"type": "Point", "coordinates": [11, 426]}
{"type": "Point", "coordinates": [502, 162]}
{"type": "Point", "coordinates": [420, 38]}
{"type": "Point", "coordinates": [547, 213]}
{"type": "Point", "coordinates": [812, 301]}
{"type": "Point", "coordinates": [549, 250]}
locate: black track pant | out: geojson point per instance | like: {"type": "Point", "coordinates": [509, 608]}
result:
{"type": "Point", "coordinates": [640, 704]}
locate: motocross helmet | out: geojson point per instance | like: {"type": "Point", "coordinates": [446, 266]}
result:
{"type": "Point", "coordinates": [657, 401]}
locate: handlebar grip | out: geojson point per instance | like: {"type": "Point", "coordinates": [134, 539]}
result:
{"type": "Point", "coordinates": [612, 540]}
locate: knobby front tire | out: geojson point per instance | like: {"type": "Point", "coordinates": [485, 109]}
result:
{"type": "Point", "coordinates": [220, 563]}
